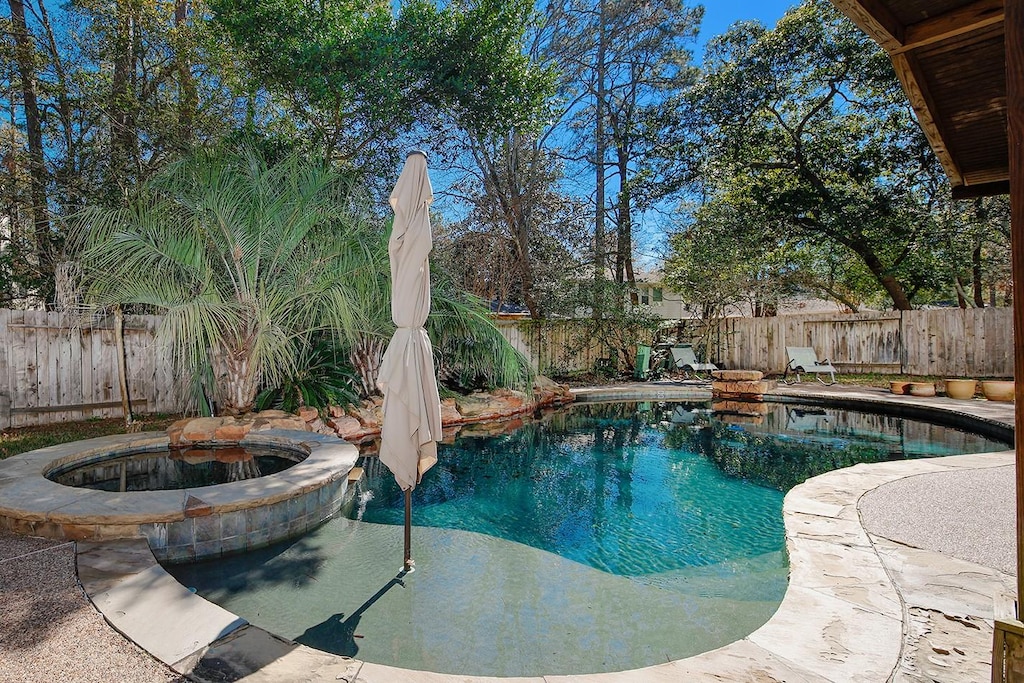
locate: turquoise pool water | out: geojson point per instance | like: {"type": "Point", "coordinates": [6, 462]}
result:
{"type": "Point", "coordinates": [602, 538]}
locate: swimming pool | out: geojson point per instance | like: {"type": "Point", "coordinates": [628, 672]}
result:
{"type": "Point", "coordinates": [601, 538]}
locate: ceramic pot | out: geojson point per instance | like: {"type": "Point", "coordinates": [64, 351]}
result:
{"type": "Point", "coordinates": [961, 388]}
{"type": "Point", "coordinates": [998, 390]}
{"type": "Point", "coordinates": [898, 387]}
{"type": "Point", "coordinates": [922, 389]}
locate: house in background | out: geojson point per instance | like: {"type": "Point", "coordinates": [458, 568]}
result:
{"type": "Point", "coordinates": [668, 305]}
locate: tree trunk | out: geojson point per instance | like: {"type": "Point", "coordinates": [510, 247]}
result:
{"type": "Point", "coordinates": [599, 155]}
{"type": "Point", "coordinates": [365, 356]}
{"type": "Point", "coordinates": [122, 366]}
{"type": "Point", "coordinates": [24, 54]}
{"type": "Point", "coordinates": [188, 97]}
{"type": "Point", "coordinates": [624, 243]}
{"type": "Point", "coordinates": [521, 224]}
{"type": "Point", "coordinates": [892, 286]}
{"type": "Point", "coordinates": [122, 106]}
{"type": "Point", "coordinates": [234, 385]}
{"type": "Point", "coordinates": [66, 176]}
{"type": "Point", "coordinates": [979, 287]}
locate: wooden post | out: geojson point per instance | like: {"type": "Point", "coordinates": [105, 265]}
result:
{"type": "Point", "coordinates": [122, 369]}
{"type": "Point", "coordinates": [1014, 42]}
{"type": "Point", "coordinates": [1014, 27]}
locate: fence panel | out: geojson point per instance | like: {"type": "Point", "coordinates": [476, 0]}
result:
{"type": "Point", "coordinates": [55, 367]}
{"type": "Point", "coordinates": [943, 342]}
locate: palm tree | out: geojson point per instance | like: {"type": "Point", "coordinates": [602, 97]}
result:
{"type": "Point", "coordinates": [251, 263]}
{"type": "Point", "coordinates": [246, 261]}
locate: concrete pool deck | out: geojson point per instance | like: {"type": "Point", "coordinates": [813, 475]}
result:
{"type": "Point", "coordinates": [893, 570]}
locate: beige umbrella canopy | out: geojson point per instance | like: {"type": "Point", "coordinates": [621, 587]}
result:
{"type": "Point", "coordinates": [412, 408]}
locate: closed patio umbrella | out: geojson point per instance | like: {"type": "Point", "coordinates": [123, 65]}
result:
{"type": "Point", "coordinates": [412, 408]}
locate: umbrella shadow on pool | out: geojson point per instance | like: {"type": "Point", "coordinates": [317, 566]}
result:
{"type": "Point", "coordinates": [337, 634]}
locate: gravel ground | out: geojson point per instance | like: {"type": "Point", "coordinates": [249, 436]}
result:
{"type": "Point", "coordinates": [50, 632]}
{"type": "Point", "coordinates": [941, 512]}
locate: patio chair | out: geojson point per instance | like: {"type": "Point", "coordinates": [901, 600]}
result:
{"type": "Point", "coordinates": [686, 360]}
{"type": "Point", "coordinates": [643, 361]}
{"type": "Point", "coordinates": [803, 359]}
{"type": "Point", "coordinates": [807, 419]}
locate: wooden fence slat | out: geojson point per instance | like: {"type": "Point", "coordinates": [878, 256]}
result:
{"type": "Point", "coordinates": [6, 378]}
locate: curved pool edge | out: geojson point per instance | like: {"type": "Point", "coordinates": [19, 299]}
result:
{"type": "Point", "coordinates": [841, 618]}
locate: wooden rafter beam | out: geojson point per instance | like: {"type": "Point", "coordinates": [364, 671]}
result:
{"type": "Point", "coordinates": [874, 18]}
{"type": "Point", "coordinates": [978, 15]}
{"type": "Point", "coordinates": [992, 189]}
{"type": "Point", "coordinates": [923, 106]}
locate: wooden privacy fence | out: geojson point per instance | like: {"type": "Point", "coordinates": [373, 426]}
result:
{"type": "Point", "coordinates": [948, 342]}
{"type": "Point", "coordinates": [54, 367]}
{"type": "Point", "coordinates": [554, 347]}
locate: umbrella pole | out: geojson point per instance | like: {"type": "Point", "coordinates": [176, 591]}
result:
{"type": "Point", "coordinates": [407, 566]}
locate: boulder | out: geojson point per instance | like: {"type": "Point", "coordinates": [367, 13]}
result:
{"type": "Point", "coordinates": [507, 402]}
{"type": "Point", "coordinates": [202, 428]}
{"type": "Point", "coordinates": [277, 419]}
{"type": "Point", "coordinates": [175, 430]}
{"type": "Point", "coordinates": [450, 412]}
{"type": "Point", "coordinates": [737, 375]}
{"type": "Point", "coordinates": [346, 427]}
{"type": "Point", "coordinates": [308, 414]}
{"type": "Point", "coordinates": [317, 425]}
{"type": "Point", "coordinates": [739, 389]}
{"type": "Point", "coordinates": [232, 431]}
{"type": "Point", "coordinates": [547, 392]}
{"type": "Point", "coordinates": [475, 406]}
{"type": "Point", "coordinates": [271, 414]}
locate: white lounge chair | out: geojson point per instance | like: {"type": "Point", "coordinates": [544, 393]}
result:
{"type": "Point", "coordinates": [803, 359]}
{"type": "Point", "coordinates": [686, 360]}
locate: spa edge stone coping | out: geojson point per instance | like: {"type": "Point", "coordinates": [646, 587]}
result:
{"type": "Point", "coordinates": [842, 617]}
{"type": "Point", "coordinates": [180, 525]}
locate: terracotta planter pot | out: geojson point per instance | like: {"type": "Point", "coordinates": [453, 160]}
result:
{"type": "Point", "coordinates": [898, 387]}
{"type": "Point", "coordinates": [998, 390]}
{"type": "Point", "coordinates": [922, 389]}
{"type": "Point", "coordinates": [961, 388]}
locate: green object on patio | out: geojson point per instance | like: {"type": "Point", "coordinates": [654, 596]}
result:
{"type": "Point", "coordinates": [643, 361]}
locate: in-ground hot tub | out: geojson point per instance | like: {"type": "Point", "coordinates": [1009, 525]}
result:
{"type": "Point", "coordinates": [185, 524]}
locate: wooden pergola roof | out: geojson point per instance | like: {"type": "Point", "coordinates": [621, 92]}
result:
{"type": "Point", "coordinates": [962, 66]}
{"type": "Point", "coordinates": [950, 57]}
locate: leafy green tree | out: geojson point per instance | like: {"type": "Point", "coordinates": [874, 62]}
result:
{"type": "Point", "coordinates": [520, 241]}
{"type": "Point", "coordinates": [808, 123]}
{"type": "Point", "coordinates": [244, 260]}
{"type": "Point", "coordinates": [111, 92]}
{"type": "Point", "coordinates": [253, 264]}
{"type": "Point", "coordinates": [728, 252]}
{"type": "Point", "coordinates": [360, 80]}
{"type": "Point", "coordinates": [624, 64]}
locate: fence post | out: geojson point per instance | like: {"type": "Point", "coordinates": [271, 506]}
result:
{"type": "Point", "coordinates": [5, 370]}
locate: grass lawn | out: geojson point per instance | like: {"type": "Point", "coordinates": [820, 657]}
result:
{"type": "Point", "coordinates": [14, 441]}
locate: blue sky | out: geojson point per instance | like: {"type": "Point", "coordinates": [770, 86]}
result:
{"type": "Point", "coordinates": [720, 14]}
{"type": "Point", "coordinates": [650, 231]}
